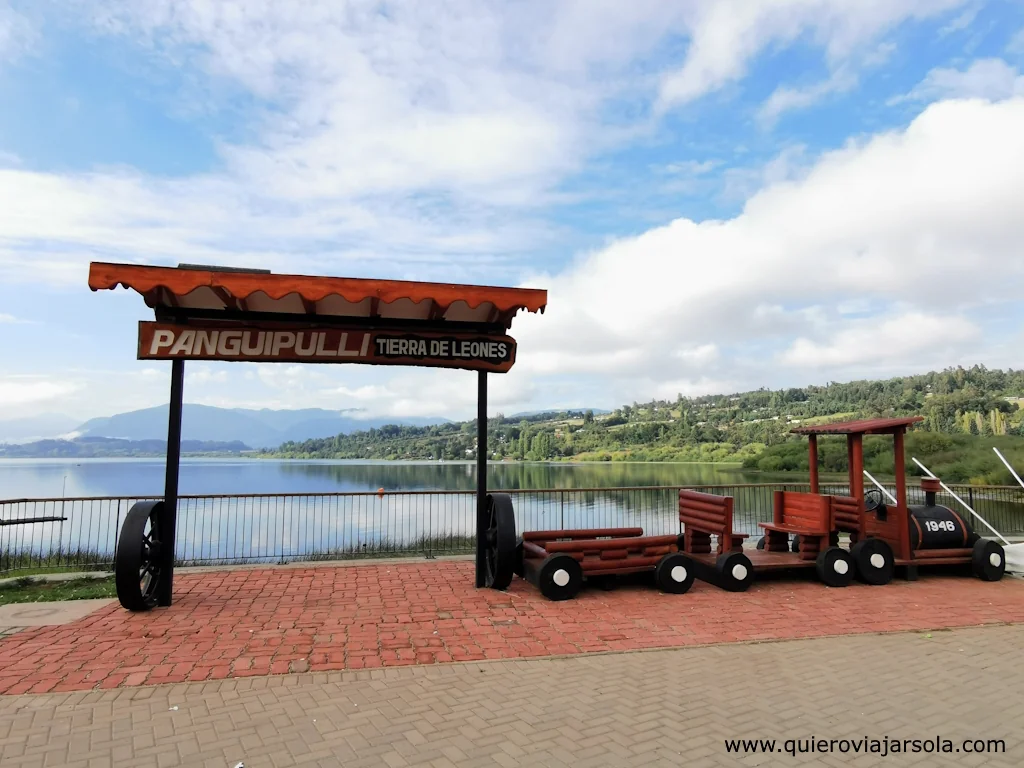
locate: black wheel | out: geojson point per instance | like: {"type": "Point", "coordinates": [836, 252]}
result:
{"type": "Point", "coordinates": [760, 543]}
{"type": "Point", "coordinates": [835, 567]}
{"type": "Point", "coordinates": [500, 551]}
{"type": "Point", "coordinates": [735, 571]}
{"type": "Point", "coordinates": [673, 574]}
{"type": "Point", "coordinates": [518, 568]}
{"type": "Point", "coordinates": [988, 561]}
{"type": "Point", "coordinates": [561, 577]}
{"type": "Point", "coordinates": [874, 561]}
{"type": "Point", "coordinates": [137, 562]}
{"type": "Point", "coordinates": [795, 545]}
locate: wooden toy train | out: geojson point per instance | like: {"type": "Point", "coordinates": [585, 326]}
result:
{"type": "Point", "coordinates": [804, 533]}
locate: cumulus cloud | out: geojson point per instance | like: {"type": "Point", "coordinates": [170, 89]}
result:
{"type": "Point", "coordinates": [881, 342]}
{"type": "Point", "coordinates": [992, 79]}
{"type": "Point", "coordinates": [902, 223]}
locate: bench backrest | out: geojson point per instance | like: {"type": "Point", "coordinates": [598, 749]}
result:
{"type": "Point", "coordinates": [706, 512]}
{"type": "Point", "coordinates": [806, 511]}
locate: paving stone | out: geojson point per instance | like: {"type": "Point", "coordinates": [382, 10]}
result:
{"type": "Point", "coordinates": [250, 623]}
{"type": "Point", "coordinates": [665, 707]}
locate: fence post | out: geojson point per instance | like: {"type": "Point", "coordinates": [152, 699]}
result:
{"type": "Point", "coordinates": [429, 554]}
{"type": "Point", "coordinates": [283, 513]}
{"type": "Point", "coordinates": [561, 496]}
{"type": "Point", "coordinates": [117, 527]}
{"type": "Point", "coordinates": [970, 496]}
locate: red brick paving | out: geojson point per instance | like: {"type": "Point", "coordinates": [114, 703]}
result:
{"type": "Point", "coordinates": [273, 621]}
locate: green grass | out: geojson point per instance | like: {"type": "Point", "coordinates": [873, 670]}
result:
{"type": "Point", "coordinates": [28, 590]}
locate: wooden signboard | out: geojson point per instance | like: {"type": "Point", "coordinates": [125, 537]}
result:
{"type": "Point", "coordinates": [280, 343]}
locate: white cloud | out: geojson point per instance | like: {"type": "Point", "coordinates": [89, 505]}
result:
{"type": "Point", "coordinates": [785, 99]}
{"type": "Point", "coordinates": [11, 319]}
{"type": "Point", "coordinates": [963, 20]}
{"type": "Point", "coordinates": [728, 34]}
{"type": "Point", "coordinates": [991, 79]}
{"type": "Point", "coordinates": [1016, 44]}
{"type": "Point", "coordinates": [885, 341]}
{"type": "Point", "coordinates": [902, 223]}
{"type": "Point", "coordinates": [19, 391]}
{"type": "Point", "coordinates": [17, 34]}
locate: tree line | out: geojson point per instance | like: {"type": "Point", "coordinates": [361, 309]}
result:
{"type": "Point", "coordinates": [750, 427]}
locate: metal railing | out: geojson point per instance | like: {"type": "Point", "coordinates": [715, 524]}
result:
{"type": "Point", "coordinates": [279, 528]}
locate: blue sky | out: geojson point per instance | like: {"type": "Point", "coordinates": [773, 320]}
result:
{"type": "Point", "coordinates": [718, 195]}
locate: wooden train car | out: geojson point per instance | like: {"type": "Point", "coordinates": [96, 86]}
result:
{"type": "Point", "coordinates": [881, 537]}
{"type": "Point", "coordinates": [559, 562]}
{"type": "Point", "coordinates": [884, 537]}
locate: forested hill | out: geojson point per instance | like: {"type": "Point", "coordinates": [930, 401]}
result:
{"type": "Point", "coordinates": [732, 427]}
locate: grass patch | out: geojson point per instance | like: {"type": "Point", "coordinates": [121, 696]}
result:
{"type": "Point", "coordinates": [29, 590]}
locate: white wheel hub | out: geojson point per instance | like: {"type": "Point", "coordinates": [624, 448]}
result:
{"type": "Point", "coordinates": [678, 574]}
{"type": "Point", "coordinates": [739, 572]}
{"type": "Point", "coordinates": [877, 560]}
{"type": "Point", "coordinates": [841, 567]}
{"type": "Point", "coordinates": [560, 577]}
{"type": "Point", "coordinates": [995, 559]}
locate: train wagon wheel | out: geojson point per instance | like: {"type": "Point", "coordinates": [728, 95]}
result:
{"type": "Point", "coordinates": [561, 577]}
{"type": "Point", "coordinates": [500, 551]}
{"type": "Point", "coordinates": [988, 561]}
{"type": "Point", "coordinates": [874, 561]}
{"type": "Point", "coordinates": [673, 574]}
{"type": "Point", "coordinates": [835, 567]}
{"type": "Point", "coordinates": [137, 563]}
{"type": "Point", "coordinates": [735, 571]}
{"type": "Point", "coordinates": [795, 546]}
{"type": "Point", "coordinates": [761, 543]}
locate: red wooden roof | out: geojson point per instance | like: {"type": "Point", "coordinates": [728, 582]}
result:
{"type": "Point", "coordinates": [222, 288]}
{"type": "Point", "coordinates": [862, 427]}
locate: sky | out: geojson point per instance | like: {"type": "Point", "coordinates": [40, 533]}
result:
{"type": "Point", "coordinates": [718, 195]}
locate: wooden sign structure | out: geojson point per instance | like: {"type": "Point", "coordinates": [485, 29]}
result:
{"type": "Point", "coordinates": [231, 314]}
{"type": "Point", "coordinates": [277, 343]}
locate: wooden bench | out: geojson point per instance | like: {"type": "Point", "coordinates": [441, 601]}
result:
{"type": "Point", "coordinates": [807, 515]}
{"type": "Point", "coordinates": [704, 515]}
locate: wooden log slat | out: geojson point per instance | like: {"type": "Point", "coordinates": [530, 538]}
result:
{"type": "Point", "coordinates": [603, 544]}
{"type": "Point", "coordinates": [529, 548]}
{"type": "Point", "coordinates": [699, 496]}
{"type": "Point", "coordinates": [657, 551]}
{"type": "Point", "coordinates": [701, 506]}
{"type": "Point", "coordinates": [698, 519]}
{"type": "Point", "coordinates": [584, 533]}
{"type": "Point", "coordinates": [614, 554]}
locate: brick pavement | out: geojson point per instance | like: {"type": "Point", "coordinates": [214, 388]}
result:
{"type": "Point", "coordinates": [657, 708]}
{"type": "Point", "coordinates": [254, 622]}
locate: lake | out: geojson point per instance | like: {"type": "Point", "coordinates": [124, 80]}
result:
{"type": "Point", "coordinates": [319, 509]}
{"type": "Point", "coordinates": [52, 478]}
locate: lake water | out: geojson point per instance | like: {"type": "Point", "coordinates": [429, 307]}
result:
{"type": "Point", "coordinates": [320, 521]}
{"type": "Point", "coordinates": [330, 508]}
{"type": "Point", "coordinates": [52, 478]}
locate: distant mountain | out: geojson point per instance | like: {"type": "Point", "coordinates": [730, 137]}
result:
{"type": "Point", "coordinates": [31, 428]}
{"type": "Point", "coordinates": [104, 447]}
{"type": "Point", "coordinates": [263, 428]}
